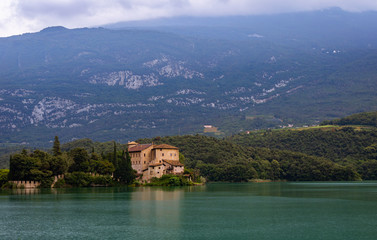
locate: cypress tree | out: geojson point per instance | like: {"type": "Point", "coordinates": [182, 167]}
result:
{"type": "Point", "coordinates": [56, 147]}
{"type": "Point", "coordinates": [124, 171]}
{"type": "Point", "coordinates": [115, 154]}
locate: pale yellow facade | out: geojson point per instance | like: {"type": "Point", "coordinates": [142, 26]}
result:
{"type": "Point", "coordinates": [150, 160]}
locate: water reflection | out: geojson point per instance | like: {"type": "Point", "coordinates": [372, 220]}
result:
{"type": "Point", "coordinates": [26, 191]}
{"type": "Point", "coordinates": [156, 208]}
{"type": "Point", "coordinates": [214, 211]}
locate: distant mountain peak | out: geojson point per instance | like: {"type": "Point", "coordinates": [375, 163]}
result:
{"type": "Point", "coordinates": [54, 29]}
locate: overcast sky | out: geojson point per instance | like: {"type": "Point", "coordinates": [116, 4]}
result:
{"type": "Point", "coordinates": [20, 16]}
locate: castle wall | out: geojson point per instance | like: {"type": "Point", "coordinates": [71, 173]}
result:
{"type": "Point", "coordinates": [33, 184]}
{"type": "Point", "coordinates": [178, 169]}
{"type": "Point", "coordinates": [165, 154]}
{"type": "Point", "coordinates": [26, 184]}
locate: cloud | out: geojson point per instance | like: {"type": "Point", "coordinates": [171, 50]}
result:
{"type": "Point", "coordinates": [19, 16]}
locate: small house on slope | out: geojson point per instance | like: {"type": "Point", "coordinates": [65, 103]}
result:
{"type": "Point", "coordinates": [150, 160]}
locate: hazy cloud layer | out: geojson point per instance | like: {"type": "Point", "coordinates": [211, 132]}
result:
{"type": "Point", "coordinates": [19, 16]}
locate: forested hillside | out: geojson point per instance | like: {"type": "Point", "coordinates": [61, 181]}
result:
{"type": "Point", "coordinates": [224, 160]}
{"type": "Point", "coordinates": [221, 160]}
{"type": "Point", "coordinates": [348, 145]}
{"type": "Point", "coordinates": [363, 119]}
{"type": "Point", "coordinates": [334, 143]}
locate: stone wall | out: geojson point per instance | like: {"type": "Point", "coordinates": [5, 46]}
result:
{"type": "Point", "coordinates": [26, 184]}
{"type": "Point", "coordinates": [34, 184]}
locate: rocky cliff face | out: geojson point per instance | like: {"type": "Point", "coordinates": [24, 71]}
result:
{"type": "Point", "coordinates": [133, 83]}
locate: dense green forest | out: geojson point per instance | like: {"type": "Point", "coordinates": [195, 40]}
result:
{"type": "Point", "coordinates": [323, 153]}
{"type": "Point", "coordinates": [347, 145]}
{"type": "Point", "coordinates": [338, 144]}
{"type": "Point", "coordinates": [222, 160]}
{"type": "Point", "coordinates": [85, 143]}
{"type": "Point", "coordinates": [79, 167]}
{"type": "Point", "coordinates": [363, 119]}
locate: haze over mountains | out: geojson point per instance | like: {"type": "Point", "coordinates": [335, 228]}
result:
{"type": "Point", "coordinates": [172, 76]}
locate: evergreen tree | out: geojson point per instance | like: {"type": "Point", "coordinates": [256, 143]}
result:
{"type": "Point", "coordinates": [115, 154]}
{"type": "Point", "coordinates": [24, 152]}
{"type": "Point", "coordinates": [56, 147]}
{"type": "Point", "coordinates": [124, 171]}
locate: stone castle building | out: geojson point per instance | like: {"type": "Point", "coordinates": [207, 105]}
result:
{"type": "Point", "coordinates": [150, 160]}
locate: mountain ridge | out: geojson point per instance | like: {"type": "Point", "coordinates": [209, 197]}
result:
{"type": "Point", "coordinates": [124, 84]}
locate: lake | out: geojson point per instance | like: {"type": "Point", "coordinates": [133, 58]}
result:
{"type": "Point", "coordinates": [290, 210]}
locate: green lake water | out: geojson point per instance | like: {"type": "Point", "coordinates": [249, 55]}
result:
{"type": "Point", "coordinates": [297, 210]}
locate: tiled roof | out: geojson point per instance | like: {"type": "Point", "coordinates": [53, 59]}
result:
{"type": "Point", "coordinates": [139, 147]}
{"type": "Point", "coordinates": [173, 162]}
{"type": "Point", "coordinates": [164, 146]}
{"type": "Point", "coordinates": [155, 165]}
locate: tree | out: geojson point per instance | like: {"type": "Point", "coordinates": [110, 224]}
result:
{"type": "Point", "coordinates": [124, 171]}
{"type": "Point", "coordinates": [23, 167]}
{"type": "Point", "coordinates": [56, 147]}
{"type": "Point", "coordinates": [58, 165]}
{"type": "Point", "coordinates": [115, 154]}
{"type": "Point", "coordinates": [3, 176]}
{"type": "Point", "coordinates": [275, 170]}
{"type": "Point", "coordinates": [181, 158]}
{"type": "Point", "coordinates": [81, 160]}
{"type": "Point", "coordinates": [105, 167]}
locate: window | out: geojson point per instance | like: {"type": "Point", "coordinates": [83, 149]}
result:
{"type": "Point", "coordinates": [144, 162]}
{"type": "Point", "coordinates": [162, 154]}
{"type": "Point", "coordinates": [171, 154]}
{"type": "Point", "coordinates": [159, 167]}
{"type": "Point", "coordinates": [144, 154]}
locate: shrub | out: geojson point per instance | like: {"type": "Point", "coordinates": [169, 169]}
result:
{"type": "Point", "coordinates": [46, 182]}
{"type": "Point", "coordinates": [78, 179]}
{"type": "Point", "coordinates": [9, 185]}
{"type": "Point", "coordinates": [169, 180]}
{"type": "Point", "coordinates": [60, 183]}
{"type": "Point", "coordinates": [3, 176]}
{"type": "Point", "coordinates": [105, 180]}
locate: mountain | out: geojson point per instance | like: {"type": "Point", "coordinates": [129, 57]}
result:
{"type": "Point", "coordinates": [172, 76]}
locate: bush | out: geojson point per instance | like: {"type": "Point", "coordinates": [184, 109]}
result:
{"type": "Point", "coordinates": [46, 182]}
{"type": "Point", "coordinates": [106, 180]}
{"type": "Point", "coordinates": [9, 185]}
{"type": "Point", "coordinates": [60, 183]}
{"type": "Point", "coordinates": [78, 179]}
{"type": "Point", "coordinates": [169, 180]}
{"type": "Point", "coordinates": [82, 179]}
{"type": "Point", "coordinates": [3, 176]}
